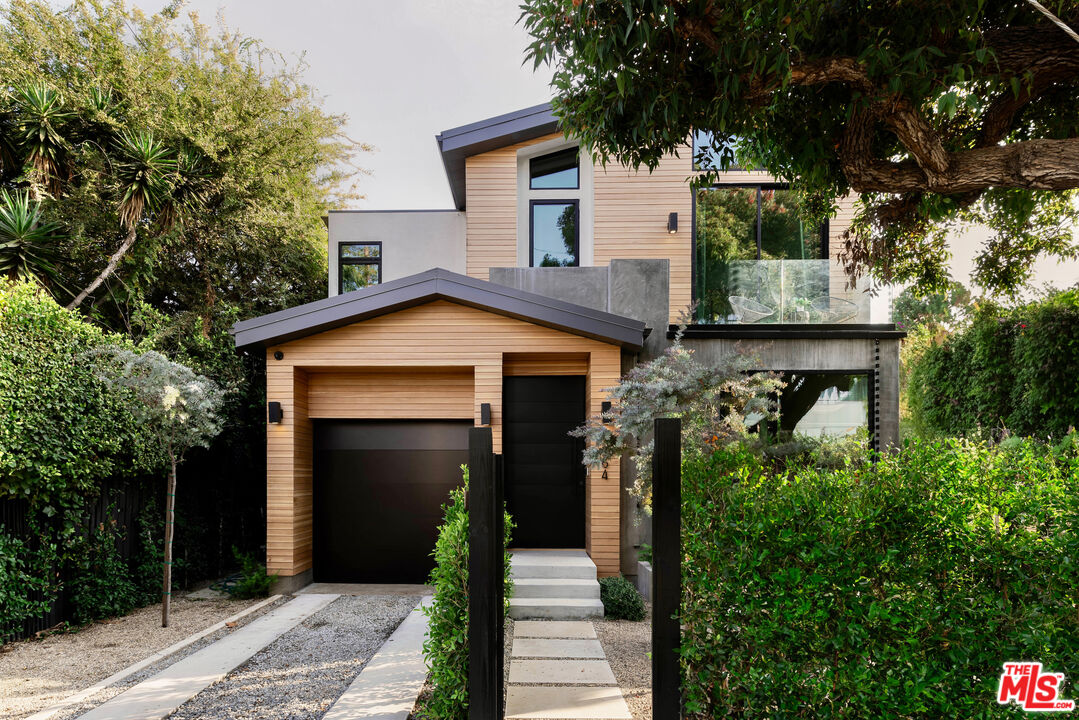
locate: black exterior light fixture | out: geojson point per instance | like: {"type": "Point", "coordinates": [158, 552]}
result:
{"type": "Point", "coordinates": [672, 223]}
{"type": "Point", "coordinates": [485, 413]}
{"type": "Point", "coordinates": [605, 407]}
{"type": "Point", "coordinates": [274, 413]}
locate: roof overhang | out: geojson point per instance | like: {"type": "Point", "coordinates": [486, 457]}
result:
{"type": "Point", "coordinates": [437, 284]}
{"type": "Point", "coordinates": [459, 143]}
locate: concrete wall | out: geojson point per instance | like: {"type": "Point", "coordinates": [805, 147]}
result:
{"type": "Point", "coordinates": [855, 355]}
{"type": "Point", "coordinates": [412, 240]}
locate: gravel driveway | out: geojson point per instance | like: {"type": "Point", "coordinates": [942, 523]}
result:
{"type": "Point", "coordinates": [628, 646]}
{"type": "Point", "coordinates": [302, 673]}
{"type": "Point", "coordinates": [35, 674]}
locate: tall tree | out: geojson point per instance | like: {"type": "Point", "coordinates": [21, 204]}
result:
{"type": "Point", "coordinates": [935, 113]}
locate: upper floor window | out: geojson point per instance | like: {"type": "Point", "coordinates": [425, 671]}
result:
{"type": "Point", "coordinates": [359, 265]}
{"type": "Point", "coordinates": [553, 233]}
{"type": "Point", "coordinates": [556, 171]}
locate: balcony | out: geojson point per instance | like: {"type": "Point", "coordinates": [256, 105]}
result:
{"type": "Point", "coordinates": [779, 292]}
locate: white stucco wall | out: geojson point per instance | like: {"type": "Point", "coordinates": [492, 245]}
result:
{"type": "Point", "coordinates": [412, 240]}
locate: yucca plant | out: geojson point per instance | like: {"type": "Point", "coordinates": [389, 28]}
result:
{"type": "Point", "coordinates": [41, 114]}
{"type": "Point", "coordinates": [29, 245]}
{"type": "Point", "coordinates": [144, 172]}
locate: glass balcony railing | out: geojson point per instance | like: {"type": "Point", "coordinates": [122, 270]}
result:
{"type": "Point", "coordinates": [778, 291]}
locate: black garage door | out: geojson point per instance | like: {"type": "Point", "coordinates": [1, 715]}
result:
{"type": "Point", "coordinates": [544, 475]}
{"type": "Point", "coordinates": [378, 491]}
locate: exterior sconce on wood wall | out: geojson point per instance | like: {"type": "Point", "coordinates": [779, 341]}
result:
{"type": "Point", "coordinates": [485, 414]}
{"type": "Point", "coordinates": [672, 223]}
{"type": "Point", "coordinates": [274, 413]}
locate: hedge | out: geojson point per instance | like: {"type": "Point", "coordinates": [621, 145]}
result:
{"type": "Point", "coordinates": [446, 646]}
{"type": "Point", "coordinates": [63, 434]}
{"type": "Point", "coordinates": [1014, 369]}
{"type": "Point", "coordinates": [892, 590]}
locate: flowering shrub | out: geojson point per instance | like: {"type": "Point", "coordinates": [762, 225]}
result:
{"type": "Point", "coordinates": [716, 403]}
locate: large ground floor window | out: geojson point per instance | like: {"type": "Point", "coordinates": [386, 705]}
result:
{"type": "Point", "coordinates": [825, 404]}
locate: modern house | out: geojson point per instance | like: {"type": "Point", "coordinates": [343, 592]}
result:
{"type": "Point", "coordinates": [517, 308]}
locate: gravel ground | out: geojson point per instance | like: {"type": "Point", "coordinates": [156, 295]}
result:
{"type": "Point", "coordinates": [302, 673]}
{"type": "Point", "coordinates": [628, 646]}
{"type": "Point", "coordinates": [35, 674]}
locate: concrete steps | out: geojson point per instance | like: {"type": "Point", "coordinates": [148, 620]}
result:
{"type": "Point", "coordinates": [554, 585]}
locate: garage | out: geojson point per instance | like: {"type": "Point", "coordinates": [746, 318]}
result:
{"type": "Point", "coordinates": [378, 490]}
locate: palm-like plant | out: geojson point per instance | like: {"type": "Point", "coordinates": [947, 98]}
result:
{"type": "Point", "coordinates": [145, 172]}
{"type": "Point", "coordinates": [41, 113]}
{"type": "Point", "coordinates": [29, 246]}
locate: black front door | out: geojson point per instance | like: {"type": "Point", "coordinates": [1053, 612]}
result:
{"type": "Point", "coordinates": [544, 475]}
{"type": "Point", "coordinates": [379, 487]}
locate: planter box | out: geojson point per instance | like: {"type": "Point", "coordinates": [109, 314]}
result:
{"type": "Point", "coordinates": [644, 579]}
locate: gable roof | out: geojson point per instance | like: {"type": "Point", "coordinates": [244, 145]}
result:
{"type": "Point", "coordinates": [459, 143]}
{"type": "Point", "coordinates": [437, 284]}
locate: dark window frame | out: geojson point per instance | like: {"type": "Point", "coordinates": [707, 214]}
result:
{"type": "Point", "coordinates": [576, 150]}
{"type": "Point", "coordinates": [576, 203]}
{"type": "Point", "coordinates": [342, 261]}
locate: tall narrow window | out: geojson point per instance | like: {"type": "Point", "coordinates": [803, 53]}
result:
{"type": "Point", "coordinates": [359, 266]}
{"type": "Point", "coordinates": [553, 233]}
{"type": "Point", "coordinates": [557, 171]}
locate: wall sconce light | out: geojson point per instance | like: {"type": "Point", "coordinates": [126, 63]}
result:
{"type": "Point", "coordinates": [485, 414]}
{"type": "Point", "coordinates": [672, 223]}
{"type": "Point", "coordinates": [605, 407]}
{"type": "Point", "coordinates": [274, 413]}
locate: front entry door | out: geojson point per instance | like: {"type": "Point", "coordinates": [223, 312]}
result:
{"type": "Point", "coordinates": [545, 480]}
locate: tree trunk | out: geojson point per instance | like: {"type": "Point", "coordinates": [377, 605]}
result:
{"type": "Point", "coordinates": [170, 517]}
{"type": "Point", "coordinates": [109, 269]}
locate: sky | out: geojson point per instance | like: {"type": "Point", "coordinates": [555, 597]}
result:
{"type": "Point", "coordinates": [404, 70]}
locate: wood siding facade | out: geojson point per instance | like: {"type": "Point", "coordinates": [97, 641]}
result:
{"type": "Point", "coordinates": [435, 361]}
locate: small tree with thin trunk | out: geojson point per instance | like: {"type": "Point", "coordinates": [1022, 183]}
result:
{"type": "Point", "coordinates": [180, 408]}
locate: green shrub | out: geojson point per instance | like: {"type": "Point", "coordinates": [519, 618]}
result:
{"type": "Point", "coordinates": [645, 553]}
{"type": "Point", "coordinates": [446, 646]}
{"type": "Point", "coordinates": [1009, 369]}
{"type": "Point", "coordinates": [25, 590]}
{"type": "Point", "coordinates": [101, 584]}
{"type": "Point", "coordinates": [253, 582]}
{"type": "Point", "coordinates": [889, 590]}
{"type": "Point", "coordinates": [621, 601]}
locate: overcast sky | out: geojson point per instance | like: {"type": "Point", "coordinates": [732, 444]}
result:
{"type": "Point", "coordinates": [404, 70]}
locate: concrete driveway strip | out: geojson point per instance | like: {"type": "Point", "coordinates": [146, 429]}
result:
{"type": "Point", "coordinates": [163, 693]}
{"type": "Point", "coordinates": [388, 686]}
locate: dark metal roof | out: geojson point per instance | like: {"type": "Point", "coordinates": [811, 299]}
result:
{"type": "Point", "coordinates": [458, 143]}
{"type": "Point", "coordinates": [437, 284]}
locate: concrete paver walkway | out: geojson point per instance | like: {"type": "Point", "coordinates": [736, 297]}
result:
{"type": "Point", "coordinates": [164, 692]}
{"type": "Point", "coordinates": [558, 670]}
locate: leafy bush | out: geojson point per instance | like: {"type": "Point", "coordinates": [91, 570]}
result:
{"type": "Point", "coordinates": [645, 553]}
{"type": "Point", "coordinates": [1009, 371]}
{"type": "Point", "coordinates": [25, 590]}
{"type": "Point", "coordinates": [888, 590]}
{"type": "Point", "coordinates": [446, 646]}
{"type": "Point", "coordinates": [621, 601]}
{"type": "Point", "coordinates": [101, 584]}
{"type": "Point", "coordinates": [253, 582]}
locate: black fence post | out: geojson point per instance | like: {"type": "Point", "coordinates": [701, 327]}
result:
{"type": "Point", "coordinates": [485, 558]}
{"type": "Point", "coordinates": [666, 568]}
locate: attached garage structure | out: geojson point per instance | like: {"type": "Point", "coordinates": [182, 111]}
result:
{"type": "Point", "coordinates": [377, 389]}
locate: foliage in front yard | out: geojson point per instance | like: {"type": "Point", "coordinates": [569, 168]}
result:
{"type": "Point", "coordinates": [1011, 370]}
{"type": "Point", "coordinates": [621, 601]}
{"type": "Point", "coordinates": [254, 582]}
{"type": "Point", "coordinates": [890, 590]}
{"type": "Point", "coordinates": [446, 646]}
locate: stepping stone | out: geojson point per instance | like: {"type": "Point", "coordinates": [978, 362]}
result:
{"type": "Point", "coordinates": [548, 648]}
{"type": "Point", "coordinates": [554, 629]}
{"type": "Point", "coordinates": [570, 703]}
{"type": "Point", "coordinates": [565, 672]}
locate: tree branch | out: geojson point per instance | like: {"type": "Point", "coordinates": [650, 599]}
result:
{"type": "Point", "coordinates": [1032, 164]}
